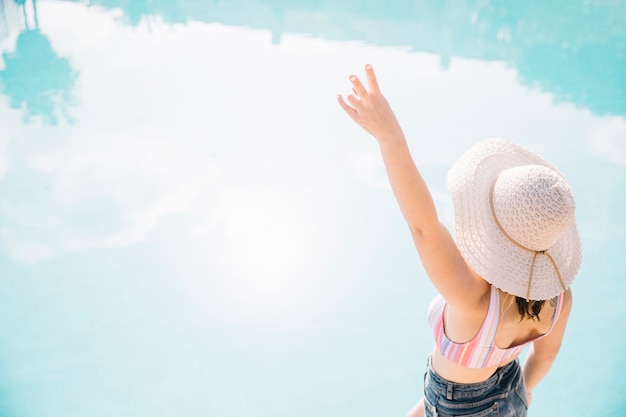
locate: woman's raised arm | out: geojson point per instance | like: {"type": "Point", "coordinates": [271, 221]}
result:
{"type": "Point", "coordinates": [439, 254]}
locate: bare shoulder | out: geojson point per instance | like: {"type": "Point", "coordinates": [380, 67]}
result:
{"type": "Point", "coordinates": [568, 298]}
{"type": "Point", "coordinates": [550, 345]}
{"type": "Point", "coordinates": [566, 305]}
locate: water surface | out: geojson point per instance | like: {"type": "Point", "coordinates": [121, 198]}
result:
{"type": "Point", "coordinates": [189, 225]}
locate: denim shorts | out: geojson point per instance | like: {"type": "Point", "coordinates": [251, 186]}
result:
{"type": "Point", "coordinates": [503, 394]}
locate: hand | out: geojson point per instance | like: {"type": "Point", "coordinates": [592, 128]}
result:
{"type": "Point", "coordinates": [369, 109]}
{"type": "Point", "coordinates": [529, 395]}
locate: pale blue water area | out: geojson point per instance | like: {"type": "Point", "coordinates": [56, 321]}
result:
{"type": "Point", "coordinates": [189, 225]}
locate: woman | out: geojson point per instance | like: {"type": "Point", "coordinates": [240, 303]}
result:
{"type": "Point", "coordinates": [516, 247]}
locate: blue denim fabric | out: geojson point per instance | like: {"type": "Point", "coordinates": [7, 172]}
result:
{"type": "Point", "coordinates": [502, 395]}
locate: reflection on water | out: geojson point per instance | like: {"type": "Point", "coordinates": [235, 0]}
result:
{"type": "Point", "coordinates": [575, 50]}
{"type": "Point", "coordinates": [5, 24]}
{"type": "Point", "coordinates": [210, 236]}
{"type": "Point", "coordinates": [34, 77]}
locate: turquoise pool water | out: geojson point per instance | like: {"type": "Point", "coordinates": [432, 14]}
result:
{"type": "Point", "coordinates": [189, 226]}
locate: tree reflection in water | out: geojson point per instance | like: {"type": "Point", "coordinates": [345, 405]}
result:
{"type": "Point", "coordinates": [35, 78]}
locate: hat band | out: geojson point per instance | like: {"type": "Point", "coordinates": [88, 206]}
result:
{"type": "Point", "coordinates": [519, 245]}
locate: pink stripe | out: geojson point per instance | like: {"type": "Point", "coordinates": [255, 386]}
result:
{"type": "Point", "coordinates": [481, 351]}
{"type": "Point", "coordinates": [487, 333]}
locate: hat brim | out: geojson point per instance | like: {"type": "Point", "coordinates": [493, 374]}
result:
{"type": "Point", "coordinates": [482, 244]}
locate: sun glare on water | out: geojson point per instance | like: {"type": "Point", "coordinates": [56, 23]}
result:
{"type": "Point", "coordinates": [268, 248]}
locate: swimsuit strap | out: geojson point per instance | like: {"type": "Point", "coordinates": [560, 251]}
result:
{"type": "Point", "coordinates": [557, 313]}
{"type": "Point", "coordinates": [493, 316]}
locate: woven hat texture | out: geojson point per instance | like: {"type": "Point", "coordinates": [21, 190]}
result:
{"type": "Point", "coordinates": [533, 204]}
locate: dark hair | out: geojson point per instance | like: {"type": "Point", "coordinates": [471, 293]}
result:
{"type": "Point", "coordinates": [529, 309]}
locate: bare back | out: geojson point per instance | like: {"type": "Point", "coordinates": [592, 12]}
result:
{"type": "Point", "coordinates": [462, 325]}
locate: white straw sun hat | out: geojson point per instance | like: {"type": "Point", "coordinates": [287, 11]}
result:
{"type": "Point", "coordinates": [514, 220]}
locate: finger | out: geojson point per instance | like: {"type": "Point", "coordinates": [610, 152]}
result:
{"type": "Point", "coordinates": [354, 101]}
{"type": "Point", "coordinates": [372, 83]}
{"type": "Point", "coordinates": [350, 111]}
{"type": "Point", "coordinates": [358, 86]}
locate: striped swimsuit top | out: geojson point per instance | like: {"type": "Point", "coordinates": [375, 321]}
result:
{"type": "Point", "coordinates": [481, 351]}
